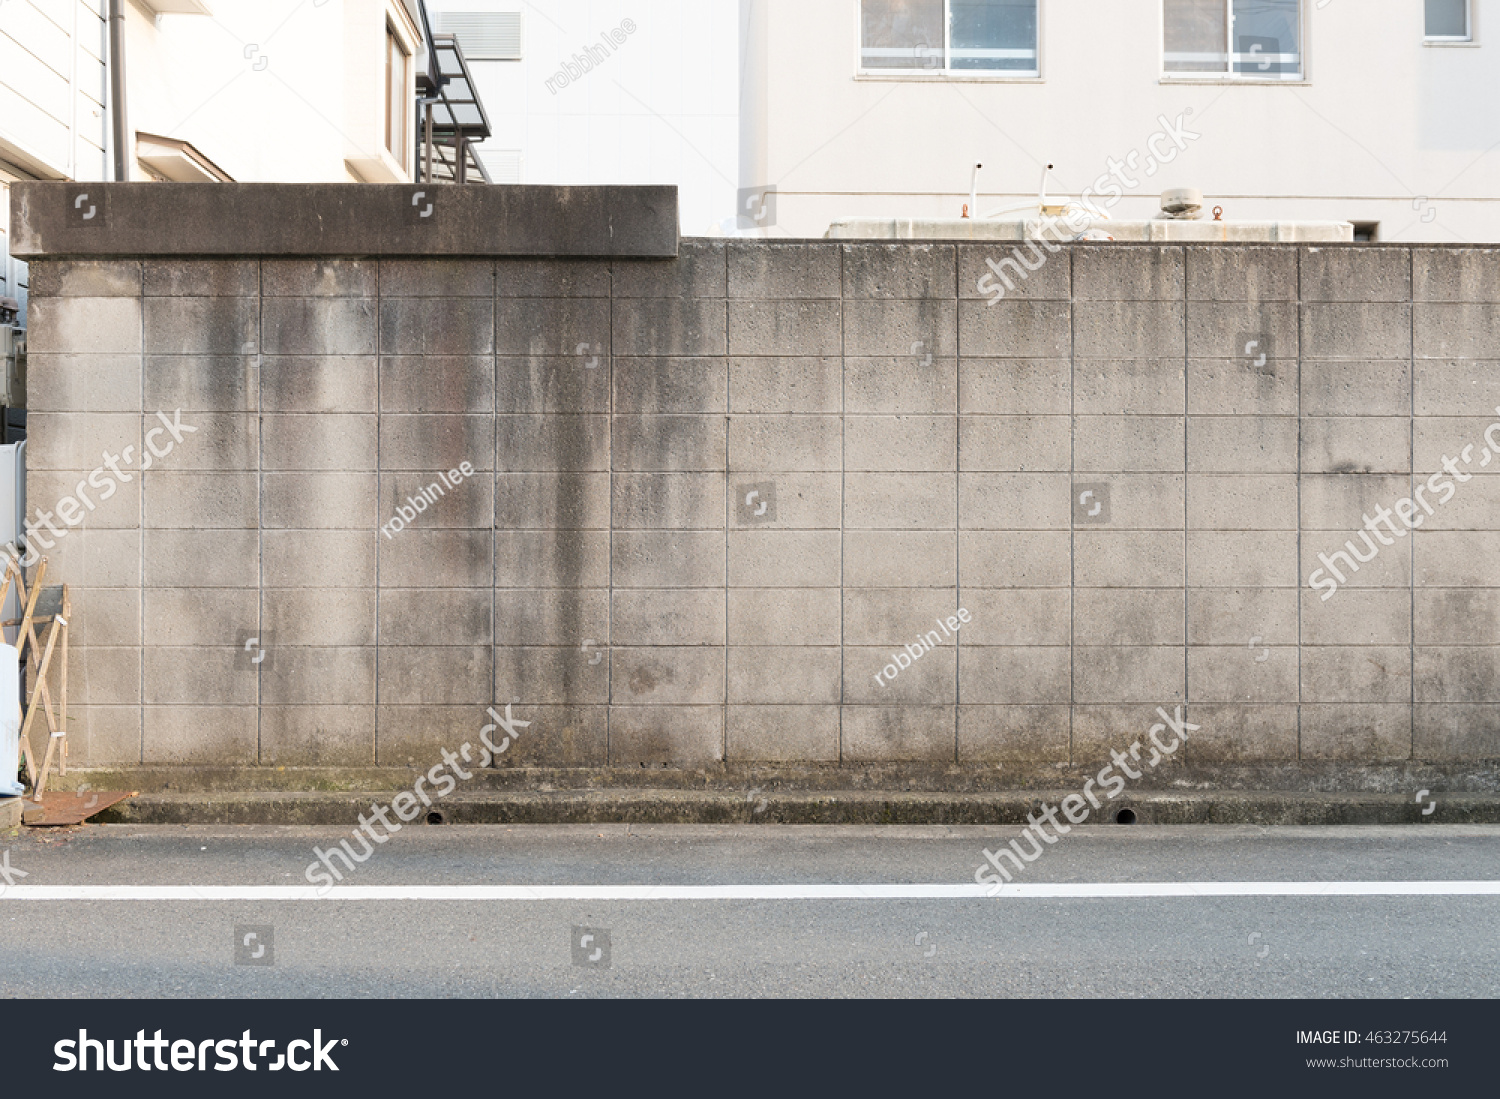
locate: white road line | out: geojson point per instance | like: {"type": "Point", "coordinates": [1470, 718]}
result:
{"type": "Point", "coordinates": [811, 892]}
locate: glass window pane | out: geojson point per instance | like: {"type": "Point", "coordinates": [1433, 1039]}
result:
{"type": "Point", "coordinates": [1196, 36]}
{"type": "Point", "coordinates": [1447, 18]}
{"type": "Point", "coordinates": [1267, 38]}
{"type": "Point", "coordinates": [901, 34]}
{"type": "Point", "coordinates": [993, 34]}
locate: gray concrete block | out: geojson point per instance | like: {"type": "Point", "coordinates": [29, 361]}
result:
{"type": "Point", "coordinates": [1360, 332]}
{"type": "Point", "coordinates": [57, 496]}
{"type": "Point", "coordinates": [555, 326]}
{"type": "Point", "coordinates": [1238, 674]}
{"type": "Point", "coordinates": [667, 618]}
{"type": "Point", "coordinates": [1242, 502]}
{"type": "Point", "coordinates": [1026, 617]}
{"type": "Point", "coordinates": [1100, 729]}
{"type": "Point", "coordinates": [319, 500]}
{"type": "Point", "coordinates": [1134, 674]}
{"type": "Point", "coordinates": [552, 278]}
{"type": "Point", "coordinates": [804, 501]}
{"type": "Point", "coordinates": [1359, 674]}
{"type": "Point", "coordinates": [438, 558]}
{"type": "Point", "coordinates": [418, 617]}
{"type": "Point", "coordinates": [897, 444]}
{"type": "Point", "coordinates": [558, 619]}
{"type": "Point", "coordinates": [322, 558]}
{"type": "Point", "coordinates": [1130, 386]}
{"type": "Point", "coordinates": [663, 676]}
{"type": "Point", "coordinates": [85, 278]}
{"type": "Point", "coordinates": [222, 441]}
{"type": "Point", "coordinates": [468, 503]}
{"type": "Point", "coordinates": [1242, 734]}
{"type": "Point", "coordinates": [1007, 267]}
{"type": "Point", "coordinates": [203, 383]}
{"type": "Point", "coordinates": [1438, 438]}
{"type": "Point", "coordinates": [1242, 559]}
{"type": "Point", "coordinates": [199, 558]}
{"type": "Point", "coordinates": [1137, 501]}
{"type": "Point", "coordinates": [1368, 733]}
{"type": "Point", "coordinates": [86, 326]}
{"type": "Point", "coordinates": [97, 558]}
{"type": "Point", "coordinates": [904, 270]}
{"type": "Point", "coordinates": [442, 675]}
{"type": "Point", "coordinates": [552, 501]}
{"type": "Point", "coordinates": [1014, 501]}
{"type": "Point", "coordinates": [83, 383]}
{"type": "Point", "coordinates": [333, 442]}
{"type": "Point", "coordinates": [1128, 559]}
{"type": "Point", "coordinates": [900, 501]}
{"type": "Point", "coordinates": [788, 618]}
{"type": "Point", "coordinates": [1454, 732]}
{"type": "Point", "coordinates": [773, 734]}
{"type": "Point", "coordinates": [552, 444]}
{"type": "Point", "coordinates": [687, 444]}
{"type": "Point", "coordinates": [317, 736]}
{"type": "Point", "coordinates": [808, 444]}
{"type": "Point", "coordinates": [319, 278]}
{"type": "Point", "coordinates": [1437, 609]}
{"type": "Point", "coordinates": [201, 676]}
{"type": "Point", "coordinates": [1238, 617]}
{"type": "Point", "coordinates": [105, 616]}
{"type": "Point", "coordinates": [910, 330]}
{"type": "Point", "coordinates": [784, 558]}
{"type": "Point", "coordinates": [551, 559]}
{"type": "Point", "coordinates": [1356, 389]}
{"type": "Point", "coordinates": [1041, 559]}
{"type": "Point", "coordinates": [334, 677]}
{"type": "Point", "coordinates": [901, 385]}
{"type": "Point", "coordinates": [414, 737]}
{"type": "Point", "coordinates": [103, 677]}
{"type": "Point", "coordinates": [799, 384]}
{"type": "Point", "coordinates": [1014, 676]}
{"type": "Point", "coordinates": [894, 734]}
{"type": "Point", "coordinates": [437, 278]}
{"type": "Point", "coordinates": [317, 326]}
{"type": "Point", "coordinates": [1008, 387]}
{"type": "Point", "coordinates": [666, 736]}
{"type": "Point", "coordinates": [1391, 568]}
{"type": "Point", "coordinates": [345, 383]}
{"type": "Point", "coordinates": [1013, 734]}
{"type": "Point", "coordinates": [1356, 274]}
{"type": "Point", "coordinates": [1457, 559]}
{"type": "Point", "coordinates": [762, 269]}
{"type": "Point", "coordinates": [1015, 443]}
{"type": "Point", "coordinates": [1104, 273]}
{"type": "Point", "coordinates": [1340, 501]}
{"type": "Point", "coordinates": [562, 736]}
{"type": "Point", "coordinates": [930, 680]}
{"type": "Point", "coordinates": [1235, 387]}
{"type": "Point", "coordinates": [682, 501]}
{"type": "Point", "coordinates": [1456, 274]}
{"type": "Point", "coordinates": [342, 617]}
{"type": "Point", "coordinates": [1127, 329]}
{"type": "Point", "coordinates": [668, 559]}
{"type": "Point", "coordinates": [1356, 444]}
{"type": "Point", "coordinates": [898, 616]}
{"type": "Point", "coordinates": [1119, 616]}
{"type": "Point", "coordinates": [437, 326]}
{"type": "Point", "coordinates": [1015, 329]}
{"type": "Point", "coordinates": [431, 443]}
{"type": "Point", "coordinates": [556, 676]}
{"type": "Point", "coordinates": [670, 326]}
{"type": "Point", "coordinates": [1454, 387]}
{"type": "Point", "coordinates": [1227, 330]}
{"type": "Point", "coordinates": [200, 500]}
{"type": "Point", "coordinates": [1369, 617]}
{"type": "Point", "coordinates": [1226, 272]}
{"type": "Point", "coordinates": [541, 383]}
{"type": "Point", "coordinates": [176, 278]}
{"type": "Point", "coordinates": [102, 735]}
{"type": "Point", "coordinates": [891, 559]}
{"type": "Point", "coordinates": [1128, 444]}
{"type": "Point", "coordinates": [781, 328]}
{"type": "Point", "coordinates": [202, 326]}
{"type": "Point", "coordinates": [785, 675]}
{"type": "Point", "coordinates": [698, 271]}
{"type": "Point", "coordinates": [656, 385]}
{"type": "Point", "coordinates": [224, 735]}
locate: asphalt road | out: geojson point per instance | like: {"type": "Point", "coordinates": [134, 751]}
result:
{"type": "Point", "coordinates": [1007, 946]}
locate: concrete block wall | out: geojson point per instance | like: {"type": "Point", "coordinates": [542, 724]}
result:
{"type": "Point", "coordinates": [713, 495]}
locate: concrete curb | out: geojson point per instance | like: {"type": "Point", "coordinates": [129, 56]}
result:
{"type": "Point", "coordinates": [645, 806]}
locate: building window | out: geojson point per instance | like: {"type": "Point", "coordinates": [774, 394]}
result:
{"type": "Point", "coordinates": [949, 36]}
{"type": "Point", "coordinates": [1233, 39]}
{"type": "Point", "coordinates": [396, 96]}
{"type": "Point", "coordinates": [1449, 21]}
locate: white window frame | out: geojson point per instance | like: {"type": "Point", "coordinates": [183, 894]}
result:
{"type": "Point", "coordinates": [1003, 76]}
{"type": "Point", "coordinates": [1469, 39]}
{"type": "Point", "coordinates": [1231, 77]}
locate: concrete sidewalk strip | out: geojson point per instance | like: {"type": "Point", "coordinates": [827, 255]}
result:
{"type": "Point", "coordinates": [808, 892]}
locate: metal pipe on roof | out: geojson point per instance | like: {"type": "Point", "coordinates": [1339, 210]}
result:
{"type": "Point", "coordinates": [120, 123]}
